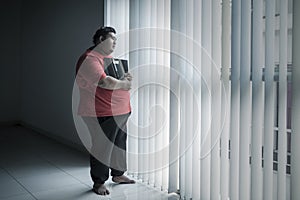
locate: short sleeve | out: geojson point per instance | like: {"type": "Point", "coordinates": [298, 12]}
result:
{"type": "Point", "coordinates": [90, 73]}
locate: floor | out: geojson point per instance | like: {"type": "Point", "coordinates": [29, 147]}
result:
{"type": "Point", "coordinates": [33, 166]}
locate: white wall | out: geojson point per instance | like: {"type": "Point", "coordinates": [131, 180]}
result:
{"type": "Point", "coordinates": [10, 61]}
{"type": "Point", "coordinates": [54, 34]}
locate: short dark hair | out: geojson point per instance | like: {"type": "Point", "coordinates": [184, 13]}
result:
{"type": "Point", "coordinates": [102, 31]}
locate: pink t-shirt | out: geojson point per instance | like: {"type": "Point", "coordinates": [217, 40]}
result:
{"type": "Point", "coordinates": [96, 101]}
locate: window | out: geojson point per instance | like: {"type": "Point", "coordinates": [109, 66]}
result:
{"type": "Point", "coordinates": [205, 99]}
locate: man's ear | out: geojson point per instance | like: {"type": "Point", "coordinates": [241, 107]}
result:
{"type": "Point", "coordinates": [101, 38]}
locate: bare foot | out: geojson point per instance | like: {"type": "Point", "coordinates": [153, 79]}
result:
{"type": "Point", "coordinates": [100, 189]}
{"type": "Point", "coordinates": [122, 180]}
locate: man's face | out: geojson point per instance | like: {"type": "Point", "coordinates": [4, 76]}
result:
{"type": "Point", "coordinates": [109, 44]}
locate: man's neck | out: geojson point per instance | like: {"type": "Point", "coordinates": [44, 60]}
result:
{"type": "Point", "coordinates": [100, 50]}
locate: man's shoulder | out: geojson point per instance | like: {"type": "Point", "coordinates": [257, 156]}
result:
{"type": "Point", "coordinates": [91, 57]}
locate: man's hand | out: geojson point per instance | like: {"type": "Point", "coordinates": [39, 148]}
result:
{"type": "Point", "coordinates": [126, 84]}
{"type": "Point", "coordinates": [128, 76]}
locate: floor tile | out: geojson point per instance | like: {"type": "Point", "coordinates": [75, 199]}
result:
{"type": "Point", "coordinates": [30, 167]}
{"type": "Point", "coordinates": [47, 181]}
{"type": "Point", "coordinates": [5, 176]}
{"type": "Point", "coordinates": [74, 192]}
{"type": "Point", "coordinates": [36, 167]}
{"type": "Point", "coordinates": [11, 188]}
{"type": "Point", "coordinates": [20, 197]}
{"type": "Point", "coordinates": [80, 173]}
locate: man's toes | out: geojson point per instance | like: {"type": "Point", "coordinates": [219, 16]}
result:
{"type": "Point", "coordinates": [100, 189]}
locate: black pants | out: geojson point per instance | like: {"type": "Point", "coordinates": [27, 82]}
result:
{"type": "Point", "coordinates": [108, 150]}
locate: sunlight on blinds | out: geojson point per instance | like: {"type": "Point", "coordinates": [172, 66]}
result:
{"type": "Point", "coordinates": [210, 99]}
{"type": "Point", "coordinates": [146, 31]}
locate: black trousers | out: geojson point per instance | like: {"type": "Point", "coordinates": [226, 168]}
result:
{"type": "Point", "coordinates": [108, 150]}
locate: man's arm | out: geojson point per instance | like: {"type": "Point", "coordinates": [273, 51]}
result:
{"type": "Point", "coordinates": [112, 83]}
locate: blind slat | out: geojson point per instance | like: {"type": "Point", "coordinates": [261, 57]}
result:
{"type": "Point", "coordinates": [225, 102]}
{"type": "Point", "coordinates": [216, 101]}
{"type": "Point", "coordinates": [245, 102]}
{"type": "Point", "coordinates": [269, 101]}
{"type": "Point", "coordinates": [257, 101]}
{"type": "Point", "coordinates": [205, 154]}
{"type": "Point", "coordinates": [282, 102]}
{"type": "Point", "coordinates": [295, 168]}
{"type": "Point", "coordinates": [235, 100]}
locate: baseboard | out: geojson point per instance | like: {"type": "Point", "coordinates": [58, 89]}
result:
{"type": "Point", "coordinates": [9, 123]}
{"type": "Point", "coordinates": [52, 136]}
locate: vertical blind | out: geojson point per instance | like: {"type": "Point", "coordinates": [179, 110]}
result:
{"type": "Point", "coordinates": [269, 101]}
{"type": "Point", "coordinates": [210, 97]}
{"type": "Point", "coordinates": [295, 163]}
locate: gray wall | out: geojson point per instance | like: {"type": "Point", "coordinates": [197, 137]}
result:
{"type": "Point", "coordinates": [10, 22]}
{"type": "Point", "coordinates": [51, 35]}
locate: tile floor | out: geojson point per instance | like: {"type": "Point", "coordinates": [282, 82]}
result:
{"type": "Point", "coordinates": [33, 166]}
